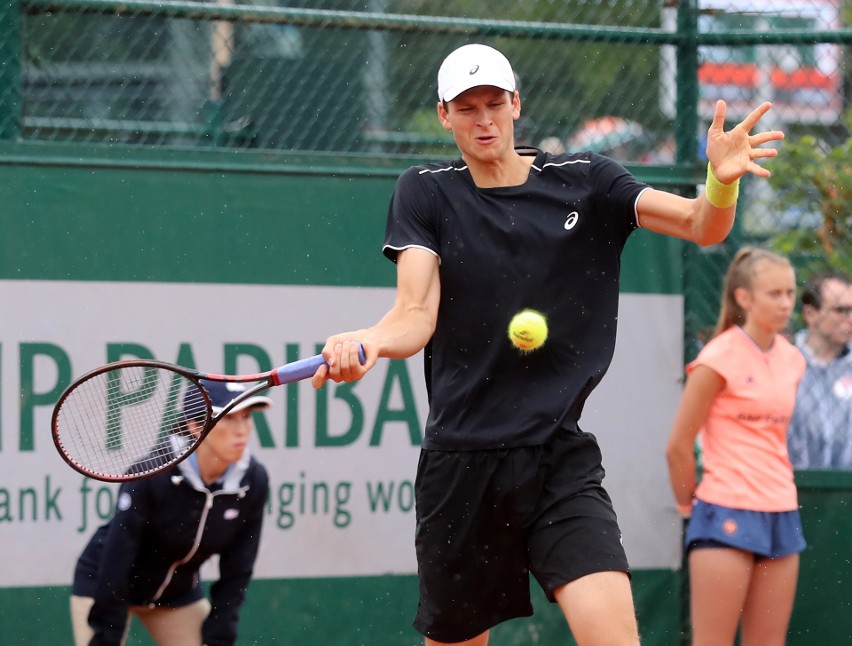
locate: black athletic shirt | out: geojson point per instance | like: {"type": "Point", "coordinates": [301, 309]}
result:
{"type": "Point", "coordinates": [552, 244]}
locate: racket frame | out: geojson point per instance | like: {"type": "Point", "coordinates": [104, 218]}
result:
{"type": "Point", "coordinates": [289, 373]}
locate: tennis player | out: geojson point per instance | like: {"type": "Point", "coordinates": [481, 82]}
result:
{"type": "Point", "coordinates": [145, 561]}
{"type": "Point", "coordinates": [508, 483]}
{"type": "Point", "coordinates": [744, 534]}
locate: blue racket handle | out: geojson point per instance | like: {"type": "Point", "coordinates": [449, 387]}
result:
{"type": "Point", "coordinates": [305, 368]}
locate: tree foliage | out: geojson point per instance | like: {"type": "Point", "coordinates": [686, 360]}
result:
{"type": "Point", "coordinates": [814, 177]}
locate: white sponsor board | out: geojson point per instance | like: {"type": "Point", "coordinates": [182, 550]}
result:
{"type": "Point", "coordinates": [341, 462]}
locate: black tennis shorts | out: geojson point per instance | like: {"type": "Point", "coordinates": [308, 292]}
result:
{"type": "Point", "coordinates": [487, 519]}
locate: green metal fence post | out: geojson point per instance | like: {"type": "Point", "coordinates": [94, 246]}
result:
{"type": "Point", "coordinates": [10, 69]}
{"type": "Point", "coordinates": [686, 153]}
{"type": "Point", "coordinates": [686, 122]}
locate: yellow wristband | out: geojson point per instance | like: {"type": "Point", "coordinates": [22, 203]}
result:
{"type": "Point", "coordinates": [718, 194]}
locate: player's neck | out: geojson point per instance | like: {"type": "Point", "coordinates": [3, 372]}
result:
{"type": "Point", "coordinates": [211, 467]}
{"type": "Point", "coordinates": [511, 169]}
{"type": "Point", "coordinates": [763, 337]}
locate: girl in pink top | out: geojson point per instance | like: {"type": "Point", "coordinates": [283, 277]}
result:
{"type": "Point", "coordinates": [744, 534]}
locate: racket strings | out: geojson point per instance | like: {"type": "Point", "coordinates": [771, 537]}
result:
{"type": "Point", "coordinates": [129, 420]}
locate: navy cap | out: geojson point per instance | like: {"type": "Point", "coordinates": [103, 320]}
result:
{"type": "Point", "coordinates": [221, 394]}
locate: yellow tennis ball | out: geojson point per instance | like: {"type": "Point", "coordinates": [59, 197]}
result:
{"type": "Point", "coordinates": [528, 330]}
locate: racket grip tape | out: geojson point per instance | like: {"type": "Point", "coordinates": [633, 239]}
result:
{"type": "Point", "coordinates": [305, 368]}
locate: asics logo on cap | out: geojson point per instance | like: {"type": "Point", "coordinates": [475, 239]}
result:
{"type": "Point", "coordinates": [473, 70]}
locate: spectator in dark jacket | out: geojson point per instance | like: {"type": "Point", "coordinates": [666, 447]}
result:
{"type": "Point", "coordinates": [145, 561]}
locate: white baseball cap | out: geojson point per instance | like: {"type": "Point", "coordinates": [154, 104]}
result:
{"type": "Point", "coordinates": [221, 394]}
{"type": "Point", "coordinates": [471, 66]}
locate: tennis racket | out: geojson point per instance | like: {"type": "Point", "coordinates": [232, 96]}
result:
{"type": "Point", "coordinates": [132, 419]}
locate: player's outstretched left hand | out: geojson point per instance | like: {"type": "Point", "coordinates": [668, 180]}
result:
{"type": "Point", "coordinates": [734, 153]}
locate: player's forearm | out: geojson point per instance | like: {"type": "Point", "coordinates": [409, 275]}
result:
{"type": "Point", "coordinates": [693, 219]}
{"type": "Point", "coordinates": [407, 327]}
{"type": "Point", "coordinates": [226, 600]}
{"type": "Point", "coordinates": [403, 331]}
{"type": "Point", "coordinates": [108, 621]}
{"type": "Point", "coordinates": [681, 461]}
{"type": "Point", "coordinates": [712, 224]}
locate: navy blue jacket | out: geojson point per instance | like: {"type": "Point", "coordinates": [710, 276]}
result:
{"type": "Point", "coordinates": [164, 528]}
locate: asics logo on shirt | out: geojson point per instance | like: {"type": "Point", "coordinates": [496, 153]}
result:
{"type": "Point", "coordinates": [474, 70]}
{"type": "Point", "coordinates": [572, 220]}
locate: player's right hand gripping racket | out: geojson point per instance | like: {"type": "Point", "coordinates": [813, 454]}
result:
{"type": "Point", "coordinates": [132, 419]}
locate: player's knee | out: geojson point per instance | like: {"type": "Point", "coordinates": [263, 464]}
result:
{"type": "Point", "coordinates": [479, 640]}
{"type": "Point", "coordinates": [599, 610]}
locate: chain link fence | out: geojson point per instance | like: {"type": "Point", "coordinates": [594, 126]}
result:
{"type": "Point", "coordinates": [330, 75]}
{"type": "Point", "coordinates": [357, 77]}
